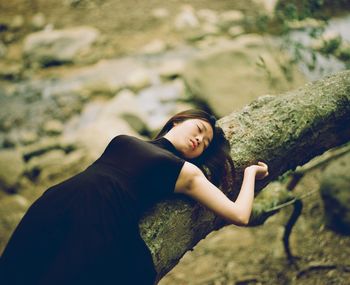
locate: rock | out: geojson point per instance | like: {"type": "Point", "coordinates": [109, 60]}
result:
{"type": "Point", "coordinates": [306, 23]}
{"type": "Point", "coordinates": [208, 16]}
{"type": "Point", "coordinates": [96, 126]}
{"type": "Point", "coordinates": [11, 211]}
{"type": "Point", "coordinates": [12, 167]}
{"type": "Point", "coordinates": [171, 68]}
{"type": "Point", "coordinates": [160, 13]}
{"type": "Point", "coordinates": [138, 79]}
{"type": "Point", "coordinates": [9, 37]}
{"type": "Point", "coordinates": [105, 77]}
{"type": "Point", "coordinates": [38, 21]}
{"type": "Point", "coordinates": [268, 6]}
{"type": "Point", "coordinates": [235, 31]}
{"type": "Point", "coordinates": [58, 46]}
{"type": "Point", "coordinates": [125, 105]}
{"type": "Point", "coordinates": [10, 71]}
{"type": "Point", "coordinates": [3, 49]}
{"type": "Point", "coordinates": [226, 75]}
{"type": "Point", "coordinates": [45, 161]}
{"type": "Point", "coordinates": [210, 29]}
{"type": "Point", "coordinates": [58, 165]}
{"type": "Point", "coordinates": [44, 145]}
{"type": "Point", "coordinates": [230, 17]}
{"type": "Point", "coordinates": [17, 22]}
{"type": "Point", "coordinates": [186, 18]}
{"type": "Point", "coordinates": [53, 127]}
{"type": "Point", "coordinates": [334, 188]}
{"type": "Point", "coordinates": [135, 123]}
{"type": "Point", "coordinates": [28, 137]}
{"type": "Point", "coordinates": [154, 47]}
{"type": "Point", "coordinates": [125, 102]}
{"type": "Point", "coordinates": [158, 101]}
{"type": "Point", "coordinates": [182, 106]}
{"type": "Point", "coordinates": [343, 52]}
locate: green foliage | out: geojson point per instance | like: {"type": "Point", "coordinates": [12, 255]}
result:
{"type": "Point", "coordinates": [330, 46]}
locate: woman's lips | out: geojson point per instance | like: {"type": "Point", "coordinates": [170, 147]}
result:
{"type": "Point", "coordinates": [193, 144]}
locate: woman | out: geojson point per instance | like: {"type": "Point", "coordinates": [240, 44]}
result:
{"type": "Point", "coordinates": [84, 230]}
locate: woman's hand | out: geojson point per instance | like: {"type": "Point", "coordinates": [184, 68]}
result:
{"type": "Point", "coordinates": [261, 170]}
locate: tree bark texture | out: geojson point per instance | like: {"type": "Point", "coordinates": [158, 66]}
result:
{"type": "Point", "coordinates": [284, 131]}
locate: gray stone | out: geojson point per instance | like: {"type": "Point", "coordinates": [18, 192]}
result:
{"type": "Point", "coordinates": [171, 68]}
{"type": "Point", "coordinates": [208, 16]}
{"type": "Point", "coordinates": [230, 17]}
{"type": "Point", "coordinates": [10, 70]}
{"type": "Point", "coordinates": [11, 169]}
{"type": "Point", "coordinates": [154, 47]}
{"type": "Point", "coordinates": [28, 137]}
{"type": "Point", "coordinates": [235, 31]}
{"type": "Point", "coordinates": [227, 77]}
{"type": "Point", "coordinates": [58, 46]}
{"type": "Point", "coordinates": [97, 124]}
{"type": "Point", "coordinates": [53, 127]}
{"type": "Point", "coordinates": [186, 19]}
{"type": "Point", "coordinates": [268, 6]}
{"type": "Point", "coordinates": [158, 101]}
{"type": "Point", "coordinates": [104, 77]}
{"type": "Point", "coordinates": [48, 159]}
{"type": "Point", "coordinates": [69, 165]}
{"type": "Point", "coordinates": [160, 13]}
{"type": "Point", "coordinates": [334, 187]}
{"type": "Point", "coordinates": [17, 22]}
{"type": "Point", "coordinates": [3, 49]}
{"type": "Point", "coordinates": [38, 21]}
{"type": "Point", "coordinates": [138, 79]}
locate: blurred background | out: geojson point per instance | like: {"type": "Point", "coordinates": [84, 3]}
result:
{"type": "Point", "coordinates": [76, 73]}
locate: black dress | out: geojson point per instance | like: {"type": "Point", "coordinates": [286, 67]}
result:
{"type": "Point", "coordinates": [84, 230]}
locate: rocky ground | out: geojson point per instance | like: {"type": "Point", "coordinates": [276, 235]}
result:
{"type": "Point", "coordinates": [108, 67]}
{"type": "Point", "coordinates": [238, 255]}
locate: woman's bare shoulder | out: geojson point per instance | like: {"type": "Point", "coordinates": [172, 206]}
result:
{"type": "Point", "coordinates": [188, 171]}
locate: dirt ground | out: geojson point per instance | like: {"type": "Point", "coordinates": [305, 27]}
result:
{"type": "Point", "coordinates": [233, 255]}
{"type": "Point", "coordinates": [246, 255]}
{"type": "Point", "coordinates": [126, 25]}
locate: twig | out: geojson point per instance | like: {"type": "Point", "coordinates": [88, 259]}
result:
{"type": "Point", "coordinates": [345, 268]}
{"type": "Point", "coordinates": [317, 162]}
{"type": "Point", "coordinates": [290, 202]}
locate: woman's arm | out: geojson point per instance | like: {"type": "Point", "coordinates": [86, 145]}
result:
{"type": "Point", "coordinates": [201, 189]}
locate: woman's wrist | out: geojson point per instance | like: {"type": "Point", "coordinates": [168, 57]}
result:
{"type": "Point", "coordinates": [250, 169]}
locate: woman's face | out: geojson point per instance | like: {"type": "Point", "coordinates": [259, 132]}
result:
{"type": "Point", "coordinates": [191, 137]}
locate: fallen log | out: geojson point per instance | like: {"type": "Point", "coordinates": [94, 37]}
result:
{"type": "Point", "coordinates": [284, 131]}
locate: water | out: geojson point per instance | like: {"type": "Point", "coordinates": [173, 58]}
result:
{"type": "Point", "coordinates": [324, 64]}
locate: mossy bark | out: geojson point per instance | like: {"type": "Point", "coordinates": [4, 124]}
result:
{"type": "Point", "coordinates": [284, 131]}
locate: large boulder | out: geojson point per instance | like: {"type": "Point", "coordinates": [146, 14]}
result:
{"type": "Point", "coordinates": [97, 124]}
{"type": "Point", "coordinates": [104, 77]}
{"type": "Point", "coordinates": [335, 186]}
{"type": "Point", "coordinates": [50, 47]}
{"type": "Point", "coordinates": [233, 73]}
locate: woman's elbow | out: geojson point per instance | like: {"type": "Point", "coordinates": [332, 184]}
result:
{"type": "Point", "coordinates": [239, 221]}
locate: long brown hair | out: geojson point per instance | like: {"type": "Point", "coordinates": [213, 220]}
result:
{"type": "Point", "coordinates": [214, 159]}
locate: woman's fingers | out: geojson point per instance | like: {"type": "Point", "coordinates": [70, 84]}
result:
{"type": "Point", "coordinates": [262, 164]}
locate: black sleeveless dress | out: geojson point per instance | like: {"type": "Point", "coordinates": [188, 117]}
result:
{"type": "Point", "coordinates": [84, 230]}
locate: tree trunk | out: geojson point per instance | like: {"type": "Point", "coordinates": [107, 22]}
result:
{"type": "Point", "coordinates": [284, 131]}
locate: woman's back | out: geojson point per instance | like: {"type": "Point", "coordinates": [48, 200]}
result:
{"type": "Point", "coordinates": [84, 230]}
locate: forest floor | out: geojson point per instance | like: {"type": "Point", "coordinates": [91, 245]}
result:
{"type": "Point", "coordinates": [233, 255]}
{"type": "Point", "coordinates": [255, 255]}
